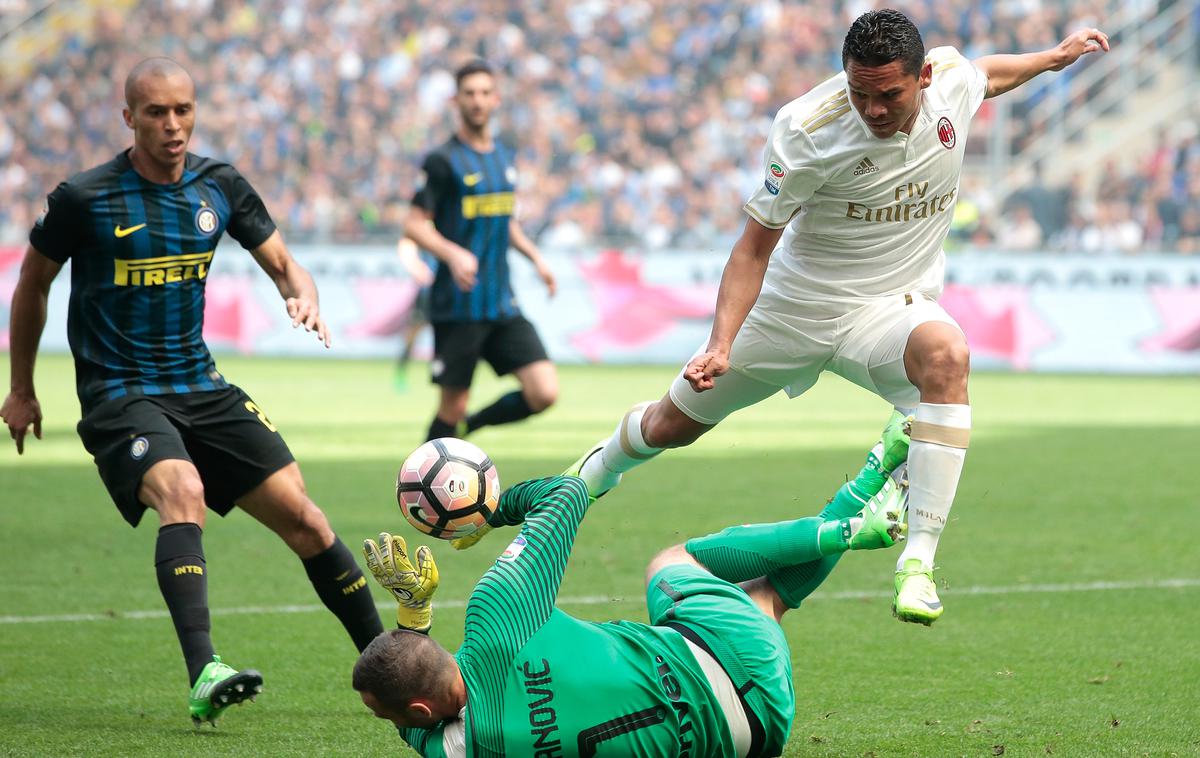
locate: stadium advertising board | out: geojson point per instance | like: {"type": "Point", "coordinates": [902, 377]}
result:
{"type": "Point", "coordinates": [1024, 313]}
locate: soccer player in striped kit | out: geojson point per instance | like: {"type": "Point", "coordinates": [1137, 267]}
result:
{"type": "Point", "coordinates": [166, 429]}
{"type": "Point", "coordinates": [463, 215]}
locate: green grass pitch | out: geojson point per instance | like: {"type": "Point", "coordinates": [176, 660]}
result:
{"type": "Point", "coordinates": [1070, 570]}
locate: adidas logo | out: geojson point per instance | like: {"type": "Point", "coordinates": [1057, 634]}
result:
{"type": "Point", "coordinates": [865, 166]}
{"type": "Point", "coordinates": [204, 690]}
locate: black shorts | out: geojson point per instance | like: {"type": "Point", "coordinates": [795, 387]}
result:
{"type": "Point", "coordinates": [506, 345]}
{"type": "Point", "coordinates": [223, 433]}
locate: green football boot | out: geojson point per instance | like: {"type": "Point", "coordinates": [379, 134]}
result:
{"type": "Point", "coordinates": [916, 595]}
{"type": "Point", "coordinates": [218, 687]}
{"type": "Point", "coordinates": [575, 468]}
{"type": "Point", "coordinates": [895, 441]}
{"type": "Point", "coordinates": [883, 518]}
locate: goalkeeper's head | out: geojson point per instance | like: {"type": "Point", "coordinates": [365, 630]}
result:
{"type": "Point", "coordinates": [409, 679]}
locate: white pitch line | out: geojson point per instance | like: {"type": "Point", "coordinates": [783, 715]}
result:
{"type": "Point", "coordinates": [250, 610]}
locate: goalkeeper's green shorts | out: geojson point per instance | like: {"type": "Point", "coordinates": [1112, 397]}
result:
{"type": "Point", "coordinates": [720, 617]}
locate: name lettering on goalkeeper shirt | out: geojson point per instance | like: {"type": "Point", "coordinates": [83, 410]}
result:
{"type": "Point", "coordinates": [543, 719]}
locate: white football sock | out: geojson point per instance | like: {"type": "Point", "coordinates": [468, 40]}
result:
{"type": "Point", "coordinates": [935, 459]}
{"type": "Point", "coordinates": [624, 450]}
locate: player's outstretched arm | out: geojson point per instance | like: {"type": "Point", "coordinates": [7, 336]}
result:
{"type": "Point", "coordinates": [516, 595]}
{"type": "Point", "coordinates": [740, 284]}
{"type": "Point", "coordinates": [1007, 72]}
{"type": "Point", "coordinates": [294, 283]}
{"type": "Point", "coordinates": [27, 319]}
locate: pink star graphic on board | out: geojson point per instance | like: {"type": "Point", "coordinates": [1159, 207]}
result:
{"type": "Point", "coordinates": [1179, 313]}
{"type": "Point", "coordinates": [10, 267]}
{"type": "Point", "coordinates": [232, 314]}
{"type": "Point", "coordinates": [633, 313]}
{"type": "Point", "coordinates": [999, 322]}
{"type": "Point", "coordinates": [391, 302]}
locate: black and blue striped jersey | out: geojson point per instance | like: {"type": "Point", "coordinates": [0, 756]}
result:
{"type": "Point", "coordinates": [140, 253]}
{"type": "Point", "coordinates": [469, 194]}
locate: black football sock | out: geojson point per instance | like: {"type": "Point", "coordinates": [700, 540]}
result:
{"type": "Point", "coordinates": [183, 581]}
{"type": "Point", "coordinates": [343, 589]}
{"type": "Point", "coordinates": [509, 408]}
{"type": "Point", "coordinates": [439, 429]}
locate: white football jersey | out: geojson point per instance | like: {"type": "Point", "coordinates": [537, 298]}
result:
{"type": "Point", "coordinates": [865, 216]}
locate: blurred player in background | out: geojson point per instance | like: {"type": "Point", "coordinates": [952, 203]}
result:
{"type": "Point", "coordinates": [710, 675]}
{"type": "Point", "coordinates": [863, 173]}
{"type": "Point", "coordinates": [463, 215]}
{"type": "Point", "coordinates": [419, 267]}
{"type": "Point", "coordinates": [167, 431]}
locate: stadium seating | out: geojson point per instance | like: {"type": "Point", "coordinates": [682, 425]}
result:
{"type": "Point", "coordinates": [638, 123]}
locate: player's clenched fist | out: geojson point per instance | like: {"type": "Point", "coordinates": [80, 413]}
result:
{"type": "Point", "coordinates": [411, 582]}
{"type": "Point", "coordinates": [704, 368]}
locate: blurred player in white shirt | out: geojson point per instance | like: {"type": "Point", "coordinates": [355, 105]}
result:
{"type": "Point", "coordinates": [840, 266]}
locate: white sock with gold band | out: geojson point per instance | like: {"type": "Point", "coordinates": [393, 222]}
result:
{"type": "Point", "coordinates": [940, 434]}
{"type": "Point", "coordinates": [623, 451]}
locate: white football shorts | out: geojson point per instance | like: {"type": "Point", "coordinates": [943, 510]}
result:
{"type": "Point", "coordinates": [788, 351]}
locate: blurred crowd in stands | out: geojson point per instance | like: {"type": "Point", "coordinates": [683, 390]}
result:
{"type": "Point", "coordinates": [637, 122]}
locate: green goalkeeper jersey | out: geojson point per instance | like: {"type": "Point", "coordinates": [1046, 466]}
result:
{"type": "Point", "coordinates": [541, 684]}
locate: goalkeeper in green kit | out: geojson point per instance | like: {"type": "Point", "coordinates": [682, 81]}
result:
{"type": "Point", "coordinates": [710, 675]}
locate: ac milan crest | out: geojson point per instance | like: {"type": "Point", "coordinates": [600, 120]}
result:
{"type": "Point", "coordinates": [945, 131]}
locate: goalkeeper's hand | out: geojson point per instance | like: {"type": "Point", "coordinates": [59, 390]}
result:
{"type": "Point", "coordinates": [411, 582]}
{"type": "Point", "coordinates": [462, 543]}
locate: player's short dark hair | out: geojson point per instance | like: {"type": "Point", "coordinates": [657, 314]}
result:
{"type": "Point", "coordinates": [876, 38]}
{"type": "Point", "coordinates": [401, 665]}
{"type": "Point", "coordinates": [477, 66]}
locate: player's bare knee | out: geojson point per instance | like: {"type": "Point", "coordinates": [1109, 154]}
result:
{"type": "Point", "coordinates": [945, 370]}
{"type": "Point", "coordinates": [540, 398]}
{"type": "Point", "coordinates": [175, 492]}
{"type": "Point", "coordinates": [309, 532]}
{"type": "Point", "coordinates": [452, 406]}
{"type": "Point", "coordinates": [672, 556]}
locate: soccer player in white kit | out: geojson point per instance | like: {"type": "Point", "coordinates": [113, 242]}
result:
{"type": "Point", "coordinates": [840, 266]}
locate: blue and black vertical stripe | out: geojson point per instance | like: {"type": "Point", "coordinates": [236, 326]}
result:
{"type": "Point", "coordinates": [471, 194]}
{"type": "Point", "coordinates": [140, 256]}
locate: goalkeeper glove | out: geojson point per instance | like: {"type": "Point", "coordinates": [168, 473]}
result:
{"type": "Point", "coordinates": [411, 582]}
{"type": "Point", "coordinates": [462, 543]}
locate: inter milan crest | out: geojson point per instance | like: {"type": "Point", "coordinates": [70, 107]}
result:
{"type": "Point", "coordinates": [137, 450]}
{"type": "Point", "coordinates": [945, 131]}
{"type": "Point", "coordinates": [206, 221]}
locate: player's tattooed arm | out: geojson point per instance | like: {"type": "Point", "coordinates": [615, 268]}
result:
{"type": "Point", "coordinates": [295, 285]}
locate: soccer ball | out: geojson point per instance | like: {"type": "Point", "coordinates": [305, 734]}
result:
{"type": "Point", "coordinates": [447, 488]}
